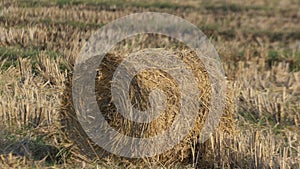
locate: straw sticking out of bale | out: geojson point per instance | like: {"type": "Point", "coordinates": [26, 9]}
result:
{"type": "Point", "coordinates": [141, 86]}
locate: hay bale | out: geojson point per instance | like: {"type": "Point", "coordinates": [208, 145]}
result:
{"type": "Point", "coordinates": [140, 88]}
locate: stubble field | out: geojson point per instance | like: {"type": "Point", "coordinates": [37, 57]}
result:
{"type": "Point", "coordinates": [258, 43]}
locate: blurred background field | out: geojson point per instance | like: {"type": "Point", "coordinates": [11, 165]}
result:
{"type": "Point", "coordinates": [258, 42]}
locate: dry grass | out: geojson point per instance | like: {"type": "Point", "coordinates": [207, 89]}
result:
{"type": "Point", "coordinates": [139, 92]}
{"type": "Point", "coordinates": [39, 43]}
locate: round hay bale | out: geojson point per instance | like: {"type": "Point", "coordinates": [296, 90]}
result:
{"type": "Point", "coordinates": [141, 86]}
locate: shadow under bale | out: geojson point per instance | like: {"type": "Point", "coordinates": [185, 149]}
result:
{"type": "Point", "coordinates": [31, 149]}
{"type": "Point", "coordinates": [140, 88]}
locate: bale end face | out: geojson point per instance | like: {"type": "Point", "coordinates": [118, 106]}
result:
{"type": "Point", "coordinates": [140, 88]}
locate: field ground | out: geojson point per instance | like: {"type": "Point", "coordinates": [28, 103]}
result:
{"type": "Point", "coordinates": [258, 42]}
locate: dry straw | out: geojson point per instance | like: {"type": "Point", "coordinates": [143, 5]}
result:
{"type": "Point", "coordinates": [141, 86]}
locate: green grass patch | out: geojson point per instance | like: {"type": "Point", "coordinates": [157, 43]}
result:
{"type": "Point", "coordinates": [231, 7]}
{"type": "Point", "coordinates": [106, 4]}
{"type": "Point", "coordinates": [266, 120]}
{"type": "Point", "coordinates": [248, 116]}
{"type": "Point", "coordinates": [290, 56]}
{"type": "Point", "coordinates": [48, 22]}
{"type": "Point", "coordinates": [74, 24]}
{"type": "Point", "coordinates": [273, 55]}
{"type": "Point", "coordinates": [12, 54]}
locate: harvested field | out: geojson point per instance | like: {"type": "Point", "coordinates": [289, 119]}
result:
{"type": "Point", "coordinates": [258, 43]}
